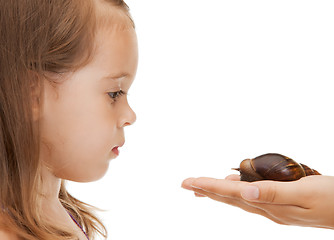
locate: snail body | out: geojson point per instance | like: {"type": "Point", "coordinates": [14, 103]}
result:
{"type": "Point", "coordinates": [273, 166]}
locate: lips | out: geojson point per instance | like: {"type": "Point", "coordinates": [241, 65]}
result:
{"type": "Point", "coordinates": [115, 150]}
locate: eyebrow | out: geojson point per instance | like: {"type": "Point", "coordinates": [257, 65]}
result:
{"type": "Point", "coordinates": [114, 77]}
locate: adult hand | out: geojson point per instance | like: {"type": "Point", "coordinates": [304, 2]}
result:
{"type": "Point", "coordinates": [306, 202]}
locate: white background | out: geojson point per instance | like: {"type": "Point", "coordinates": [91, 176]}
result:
{"type": "Point", "coordinates": [218, 81]}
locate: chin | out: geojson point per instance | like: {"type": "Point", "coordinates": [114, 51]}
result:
{"type": "Point", "coordinates": [90, 175]}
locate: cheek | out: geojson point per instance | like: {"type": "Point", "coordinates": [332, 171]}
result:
{"type": "Point", "coordinates": [81, 137]}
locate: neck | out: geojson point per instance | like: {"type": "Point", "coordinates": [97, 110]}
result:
{"type": "Point", "coordinates": [50, 187]}
{"type": "Point", "coordinates": [53, 210]}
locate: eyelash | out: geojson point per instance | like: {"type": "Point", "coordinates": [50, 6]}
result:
{"type": "Point", "coordinates": [115, 95]}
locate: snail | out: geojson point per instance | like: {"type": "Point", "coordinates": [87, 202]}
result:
{"type": "Point", "coordinates": [273, 166]}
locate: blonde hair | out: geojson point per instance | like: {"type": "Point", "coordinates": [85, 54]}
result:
{"type": "Point", "coordinates": [38, 37]}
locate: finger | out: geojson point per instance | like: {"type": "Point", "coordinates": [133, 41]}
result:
{"type": "Point", "coordinates": [186, 184]}
{"type": "Point", "coordinates": [287, 193]}
{"type": "Point", "coordinates": [233, 177]}
{"type": "Point", "coordinates": [240, 204]}
{"type": "Point", "coordinates": [284, 209]}
{"type": "Point", "coordinates": [225, 188]}
{"type": "Point", "coordinates": [199, 195]}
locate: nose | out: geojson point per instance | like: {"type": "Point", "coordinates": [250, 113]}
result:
{"type": "Point", "coordinates": [128, 117]}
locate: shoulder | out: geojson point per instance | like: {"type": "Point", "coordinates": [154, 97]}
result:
{"type": "Point", "coordinates": [7, 236]}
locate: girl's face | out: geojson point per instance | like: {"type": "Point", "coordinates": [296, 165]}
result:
{"type": "Point", "coordinates": [83, 119]}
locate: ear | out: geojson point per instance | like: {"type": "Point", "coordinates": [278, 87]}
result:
{"type": "Point", "coordinates": [36, 94]}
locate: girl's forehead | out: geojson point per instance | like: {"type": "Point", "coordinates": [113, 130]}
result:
{"type": "Point", "coordinates": [111, 17]}
{"type": "Point", "coordinates": [114, 27]}
{"type": "Point", "coordinates": [116, 50]}
{"type": "Point", "coordinates": [115, 36]}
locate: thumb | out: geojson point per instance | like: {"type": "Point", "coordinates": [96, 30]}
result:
{"type": "Point", "coordinates": [250, 193]}
{"type": "Point", "coordinates": [272, 192]}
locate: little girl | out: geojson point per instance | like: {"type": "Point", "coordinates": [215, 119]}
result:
{"type": "Point", "coordinates": [65, 69]}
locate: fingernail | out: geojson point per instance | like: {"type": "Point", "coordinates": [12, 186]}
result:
{"type": "Point", "coordinates": [250, 193]}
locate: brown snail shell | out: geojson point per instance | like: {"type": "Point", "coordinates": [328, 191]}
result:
{"type": "Point", "coordinates": [273, 166]}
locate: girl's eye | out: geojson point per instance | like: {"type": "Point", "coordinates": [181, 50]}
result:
{"type": "Point", "coordinates": [115, 95]}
